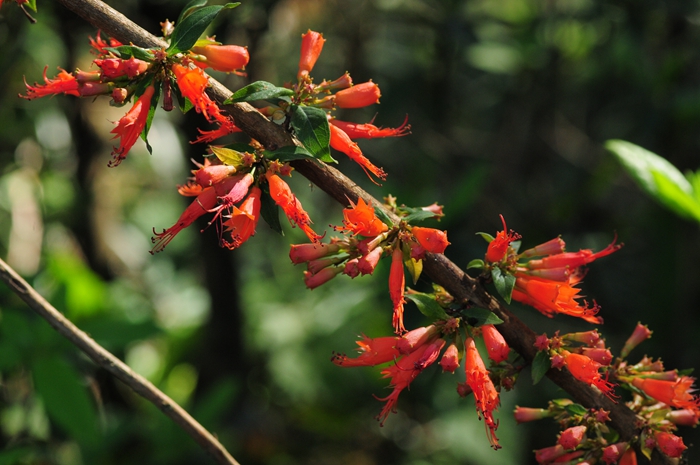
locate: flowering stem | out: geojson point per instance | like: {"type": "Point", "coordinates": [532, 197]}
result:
{"type": "Point", "coordinates": [444, 272]}
{"type": "Point", "coordinates": [112, 364]}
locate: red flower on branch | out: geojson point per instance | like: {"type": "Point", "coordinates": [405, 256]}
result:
{"type": "Point", "coordinates": [498, 247]}
{"type": "Point", "coordinates": [131, 125]}
{"type": "Point", "coordinates": [226, 58]}
{"type": "Point", "coordinates": [361, 220]}
{"type": "Point", "coordinates": [63, 83]}
{"type": "Point", "coordinates": [397, 283]}
{"type": "Point", "coordinates": [311, 46]}
{"type": "Point", "coordinates": [485, 394]}
{"type": "Point", "coordinates": [369, 130]}
{"type": "Point", "coordinates": [585, 369]}
{"type": "Point", "coordinates": [282, 195]}
{"type": "Point", "coordinates": [358, 96]}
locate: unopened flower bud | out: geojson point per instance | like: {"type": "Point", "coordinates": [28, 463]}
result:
{"type": "Point", "coordinates": [416, 338]}
{"type": "Point", "coordinates": [312, 281]}
{"type": "Point", "coordinates": [358, 96]}
{"type": "Point", "coordinates": [602, 356]}
{"type": "Point", "coordinates": [640, 334]}
{"type": "Point", "coordinates": [450, 359]}
{"type": "Point", "coordinates": [571, 437]}
{"type": "Point", "coordinates": [302, 253]}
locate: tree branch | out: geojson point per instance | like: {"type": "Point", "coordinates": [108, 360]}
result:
{"type": "Point", "coordinates": [112, 364]}
{"type": "Point", "coordinates": [444, 272]}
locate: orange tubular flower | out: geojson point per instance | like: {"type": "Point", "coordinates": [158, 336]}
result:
{"type": "Point", "coordinates": [397, 283]}
{"type": "Point", "coordinates": [372, 352]}
{"type": "Point", "coordinates": [311, 46]}
{"type": "Point", "coordinates": [450, 359]}
{"type": "Point", "coordinates": [341, 142]}
{"type": "Point", "coordinates": [584, 369]}
{"type": "Point", "coordinates": [99, 45]}
{"type": "Point", "coordinates": [676, 393]}
{"type": "Point", "coordinates": [226, 58]}
{"type": "Point", "coordinates": [193, 83]}
{"type": "Point", "coordinates": [358, 96]}
{"type": "Point", "coordinates": [572, 259]}
{"type": "Point", "coordinates": [431, 239]}
{"type": "Point", "coordinates": [302, 253]}
{"type": "Point", "coordinates": [130, 127]}
{"type": "Point", "coordinates": [226, 127]}
{"type": "Point", "coordinates": [243, 220]}
{"type": "Point", "coordinates": [370, 131]}
{"type": "Point", "coordinates": [496, 345]}
{"type": "Point", "coordinates": [64, 83]}
{"type": "Point", "coordinates": [360, 220]}
{"type": "Point", "coordinates": [485, 394]}
{"type": "Point", "coordinates": [571, 437]}
{"type": "Point", "coordinates": [282, 195]}
{"type": "Point", "coordinates": [629, 457]}
{"type": "Point", "coordinates": [498, 247]}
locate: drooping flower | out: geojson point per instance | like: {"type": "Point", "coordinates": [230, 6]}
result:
{"type": "Point", "coordinates": [572, 260]}
{"type": "Point", "coordinates": [311, 46]}
{"type": "Point", "coordinates": [586, 370]}
{"type": "Point", "coordinates": [485, 394]}
{"type": "Point", "coordinates": [341, 142]}
{"type": "Point", "coordinates": [242, 222]}
{"type": "Point", "coordinates": [676, 393]}
{"type": "Point", "coordinates": [397, 283]}
{"type": "Point", "coordinates": [63, 83]}
{"type": "Point", "coordinates": [226, 58]}
{"type": "Point", "coordinates": [130, 126]}
{"type": "Point", "coordinates": [282, 195]}
{"type": "Point", "coordinates": [369, 130]}
{"type": "Point", "coordinates": [450, 359]}
{"type": "Point", "coordinates": [226, 127]}
{"type": "Point", "coordinates": [640, 334]}
{"type": "Point", "coordinates": [372, 352]}
{"type": "Point", "coordinates": [193, 83]}
{"type": "Point", "coordinates": [431, 239]}
{"type": "Point", "coordinates": [361, 220]}
{"type": "Point", "coordinates": [302, 253]}
{"type": "Point", "coordinates": [496, 345]}
{"type": "Point", "coordinates": [498, 247]}
{"type": "Point", "coordinates": [358, 96]}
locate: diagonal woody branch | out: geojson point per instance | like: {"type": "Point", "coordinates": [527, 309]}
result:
{"type": "Point", "coordinates": [444, 272]}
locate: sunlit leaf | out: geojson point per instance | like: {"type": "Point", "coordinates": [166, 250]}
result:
{"type": "Point", "coordinates": [427, 305]}
{"type": "Point", "coordinates": [311, 128]}
{"type": "Point", "coordinates": [259, 90]}
{"type": "Point", "coordinates": [188, 30]}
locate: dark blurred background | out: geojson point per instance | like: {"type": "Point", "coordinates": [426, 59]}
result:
{"type": "Point", "coordinates": [510, 102]}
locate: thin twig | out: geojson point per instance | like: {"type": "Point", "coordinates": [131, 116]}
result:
{"type": "Point", "coordinates": [116, 367]}
{"type": "Point", "coordinates": [444, 272]}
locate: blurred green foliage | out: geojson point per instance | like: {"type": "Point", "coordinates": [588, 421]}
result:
{"type": "Point", "coordinates": [510, 104]}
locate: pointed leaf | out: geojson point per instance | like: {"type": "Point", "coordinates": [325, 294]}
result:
{"type": "Point", "coordinates": [476, 263]}
{"type": "Point", "coordinates": [127, 51]}
{"type": "Point", "coordinates": [151, 113]}
{"type": "Point", "coordinates": [189, 8]}
{"type": "Point", "coordinates": [427, 305]}
{"type": "Point", "coordinates": [288, 153]}
{"type": "Point", "coordinates": [575, 409]}
{"type": "Point", "coordinates": [540, 365]}
{"type": "Point", "coordinates": [270, 212]}
{"type": "Point", "coordinates": [476, 316]}
{"type": "Point", "coordinates": [418, 215]}
{"type": "Point", "coordinates": [504, 282]}
{"type": "Point", "coordinates": [259, 90]}
{"type": "Point", "coordinates": [311, 128]}
{"type": "Point", "coordinates": [487, 237]}
{"type": "Point", "coordinates": [191, 27]}
{"type": "Point", "coordinates": [227, 156]}
{"type": "Point", "coordinates": [383, 217]}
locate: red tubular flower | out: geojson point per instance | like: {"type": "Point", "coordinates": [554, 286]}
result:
{"type": "Point", "coordinates": [683, 417]}
{"type": "Point", "coordinates": [311, 46]}
{"type": "Point", "coordinates": [367, 263]}
{"type": "Point", "coordinates": [640, 334]}
{"type": "Point", "coordinates": [599, 354]}
{"type": "Point", "coordinates": [525, 414]}
{"type": "Point", "coordinates": [235, 188]}
{"type": "Point", "coordinates": [551, 247]}
{"type": "Point", "coordinates": [571, 437]}
{"type": "Point", "coordinates": [358, 96]}
{"type": "Point", "coordinates": [676, 393]}
{"type": "Point", "coordinates": [282, 195]}
{"type": "Point", "coordinates": [612, 453]}
{"type": "Point", "coordinates": [99, 45]}
{"type": "Point", "coordinates": [670, 444]}
{"type": "Point", "coordinates": [302, 253]}
{"type": "Point", "coordinates": [549, 454]}
{"type": "Point", "coordinates": [341, 142]}
{"type": "Point", "coordinates": [113, 68]}
{"type": "Point", "coordinates": [370, 131]}
{"type": "Point", "coordinates": [584, 369]}
{"type": "Point", "coordinates": [193, 83]}
{"type": "Point", "coordinates": [201, 205]}
{"type": "Point", "coordinates": [207, 174]}
{"type": "Point", "coordinates": [485, 394]}
{"type": "Point", "coordinates": [397, 283]}
{"type": "Point", "coordinates": [431, 239]}
{"type": "Point", "coordinates": [63, 83]}
{"type": "Point", "coordinates": [498, 247]}
{"type": "Point", "coordinates": [313, 280]}
{"type": "Point", "coordinates": [372, 352]}
{"type": "Point", "coordinates": [496, 345]}
{"type": "Point", "coordinates": [629, 457]}
{"type": "Point", "coordinates": [573, 259]}
{"type": "Point", "coordinates": [226, 127]}
{"type": "Point", "coordinates": [416, 338]}
{"type": "Point", "coordinates": [226, 58]}
{"type": "Point", "coordinates": [241, 225]}
{"type": "Point", "coordinates": [450, 359]}
{"type": "Point", "coordinates": [130, 127]}
{"type": "Point", "coordinates": [360, 220]}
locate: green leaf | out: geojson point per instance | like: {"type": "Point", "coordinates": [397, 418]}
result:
{"type": "Point", "coordinates": [32, 5]}
{"type": "Point", "coordinates": [259, 90]}
{"type": "Point", "coordinates": [288, 153]}
{"type": "Point", "coordinates": [487, 237]}
{"type": "Point", "coordinates": [270, 211]}
{"type": "Point", "coordinates": [182, 102]}
{"type": "Point", "coordinates": [127, 51]}
{"type": "Point", "coordinates": [427, 305]}
{"type": "Point", "coordinates": [311, 128]}
{"type": "Point", "coordinates": [383, 217]}
{"type": "Point", "coordinates": [476, 316]}
{"type": "Point", "coordinates": [66, 398]}
{"type": "Point", "coordinates": [418, 215]}
{"type": "Point", "coordinates": [227, 156]}
{"type": "Point", "coordinates": [151, 114]}
{"type": "Point", "coordinates": [189, 8]}
{"type": "Point", "coordinates": [504, 282]}
{"type": "Point", "coordinates": [575, 409]}
{"type": "Point", "coordinates": [476, 263]}
{"type": "Point", "coordinates": [540, 365]}
{"type": "Point", "coordinates": [188, 30]}
{"type": "Point", "coordinates": [658, 178]}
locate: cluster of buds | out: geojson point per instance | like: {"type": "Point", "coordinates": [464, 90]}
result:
{"type": "Point", "coordinates": [413, 352]}
{"type": "Point", "coordinates": [126, 72]}
{"type": "Point", "coordinates": [662, 399]}
{"type": "Point", "coordinates": [547, 279]}
{"type": "Point", "coordinates": [367, 240]}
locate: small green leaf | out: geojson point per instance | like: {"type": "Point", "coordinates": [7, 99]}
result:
{"type": "Point", "coordinates": [657, 177]}
{"type": "Point", "coordinates": [191, 27]}
{"type": "Point", "coordinates": [487, 237]}
{"type": "Point", "coordinates": [311, 128]}
{"type": "Point", "coordinates": [575, 409]}
{"type": "Point", "coordinates": [540, 365]}
{"type": "Point", "coordinates": [227, 156]}
{"type": "Point", "coordinates": [151, 113]}
{"type": "Point", "coordinates": [504, 282]}
{"type": "Point", "coordinates": [476, 316]}
{"type": "Point", "coordinates": [270, 211]}
{"type": "Point", "coordinates": [32, 5]}
{"type": "Point", "coordinates": [288, 153]}
{"type": "Point", "coordinates": [427, 305]}
{"type": "Point", "coordinates": [476, 263]}
{"type": "Point", "coordinates": [418, 215]}
{"type": "Point", "coordinates": [182, 102]}
{"type": "Point", "coordinates": [414, 267]}
{"type": "Point", "coordinates": [189, 8]}
{"type": "Point", "coordinates": [259, 90]}
{"type": "Point", "coordinates": [127, 51]}
{"type": "Point", "coordinates": [383, 217]}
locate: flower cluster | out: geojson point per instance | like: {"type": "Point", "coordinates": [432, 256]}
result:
{"type": "Point", "coordinates": [547, 280]}
{"type": "Point", "coordinates": [413, 352]}
{"type": "Point", "coordinates": [367, 240]}
{"type": "Point", "coordinates": [662, 400]}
